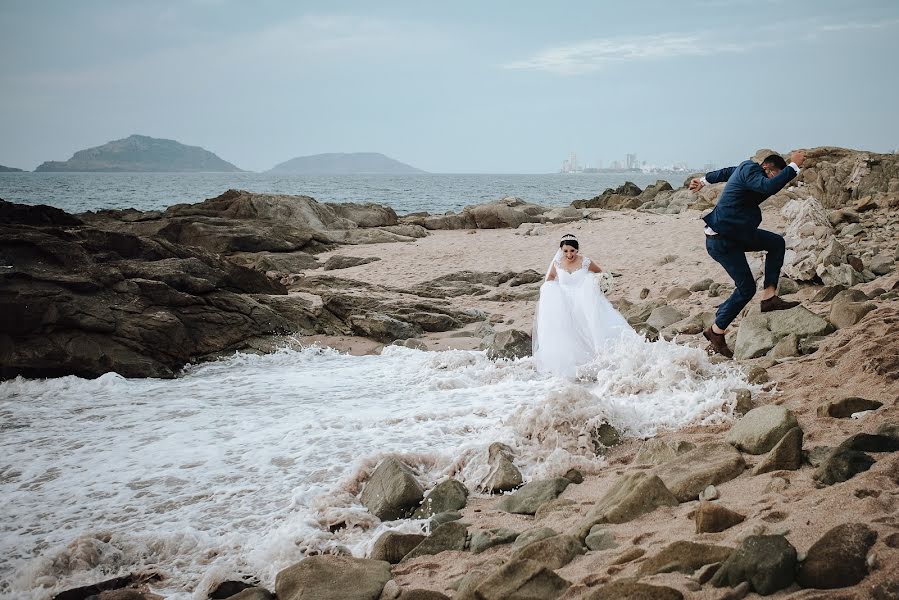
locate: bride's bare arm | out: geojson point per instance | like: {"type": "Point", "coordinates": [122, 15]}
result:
{"type": "Point", "coordinates": [594, 268]}
{"type": "Point", "coordinates": [552, 273]}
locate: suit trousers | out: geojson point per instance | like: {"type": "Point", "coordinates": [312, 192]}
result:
{"type": "Point", "coordinates": [730, 253]}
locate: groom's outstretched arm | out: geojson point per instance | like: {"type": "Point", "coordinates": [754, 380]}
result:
{"type": "Point", "coordinates": [720, 175]}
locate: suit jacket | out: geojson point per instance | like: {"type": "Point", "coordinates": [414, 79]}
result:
{"type": "Point", "coordinates": [737, 214]}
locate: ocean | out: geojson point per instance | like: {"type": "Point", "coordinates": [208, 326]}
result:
{"type": "Point", "coordinates": [434, 193]}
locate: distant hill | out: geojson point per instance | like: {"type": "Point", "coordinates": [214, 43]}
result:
{"type": "Point", "coordinates": [340, 163]}
{"type": "Point", "coordinates": [9, 169]}
{"type": "Point", "coordinates": [139, 153]}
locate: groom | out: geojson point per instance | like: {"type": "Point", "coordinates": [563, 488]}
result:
{"type": "Point", "coordinates": [732, 230]}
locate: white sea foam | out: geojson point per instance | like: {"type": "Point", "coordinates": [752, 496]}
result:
{"type": "Point", "coordinates": [239, 467]}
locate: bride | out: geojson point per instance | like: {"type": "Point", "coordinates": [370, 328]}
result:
{"type": "Point", "coordinates": [574, 320]}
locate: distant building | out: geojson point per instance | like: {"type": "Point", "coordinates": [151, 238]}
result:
{"type": "Point", "coordinates": [709, 166]}
{"type": "Point", "coordinates": [631, 161]}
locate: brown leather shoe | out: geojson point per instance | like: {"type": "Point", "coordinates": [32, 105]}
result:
{"type": "Point", "coordinates": [718, 343]}
{"type": "Point", "coordinates": [777, 303]}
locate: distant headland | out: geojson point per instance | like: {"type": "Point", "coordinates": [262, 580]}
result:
{"type": "Point", "coordinates": [340, 163]}
{"type": "Point", "coordinates": [9, 169]}
{"type": "Point", "coordinates": [141, 153]}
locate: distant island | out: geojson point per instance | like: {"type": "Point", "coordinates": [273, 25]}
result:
{"type": "Point", "coordinates": [339, 163]}
{"type": "Point", "coordinates": [140, 153]}
{"type": "Point", "coordinates": [9, 170]}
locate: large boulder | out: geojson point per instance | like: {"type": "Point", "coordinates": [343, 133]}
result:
{"type": "Point", "coordinates": [785, 456]}
{"type": "Point", "coordinates": [846, 407]}
{"type": "Point", "coordinates": [713, 518]}
{"type": "Point", "coordinates": [449, 536]}
{"type": "Point", "coordinates": [839, 558]}
{"type": "Point", "coordinates": [554, 552]}
{"type": "Point", "coordinates": [664, 316]}
{"type": "Point", "coordinates": [655, 451]}
{"type": "Point", "coordinates": [766, 562]}
{"type": "Point", "coordinates": [633, 495]}
{"type": "Point", "coordinates": [511, 343]}
{"type": "Point", "coordinates": [761, 428]}
{"type": "Point", "coordinates": [484, 539]}
{"type": "Point", "coordinates": [329, 577]}
{"type": "Point", "coordinates": [392, 546]}
{"type": "Point", "coordinates": [504, 476]}
{"type": "Point", "coordinates": [446, 495]}
{"type": "Point", "coordinates": [709, 464]}
{"type": "Point", "coordinates": [842, 464]}
{"type": "Point", "coordinates": [345, 262]}
{"type": "Point", "coordinates": [847, 314]}
{"type": "Point", "coordinates": [392, 491]}
{"type": "Point", "coordinates": [366, 214]}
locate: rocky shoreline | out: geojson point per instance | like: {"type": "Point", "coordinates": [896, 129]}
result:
{"type": "Point", "coordinates": [799, 494]}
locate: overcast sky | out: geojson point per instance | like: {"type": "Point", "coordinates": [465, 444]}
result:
{"type": "Point", "coordinates": [461, 86]}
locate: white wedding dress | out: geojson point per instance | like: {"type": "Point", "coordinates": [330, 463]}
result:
{"type": "Point", "coordinates": [574, 322]}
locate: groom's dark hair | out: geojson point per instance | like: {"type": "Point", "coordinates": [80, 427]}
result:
{"type": "Point", "coordinates": [775, 160]}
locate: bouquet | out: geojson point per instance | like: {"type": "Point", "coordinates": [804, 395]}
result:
{"type": "Point", "coordinates": [604, 281]}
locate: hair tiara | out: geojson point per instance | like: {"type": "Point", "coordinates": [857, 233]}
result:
{"type": "Point", "coordinates": [568, 238]}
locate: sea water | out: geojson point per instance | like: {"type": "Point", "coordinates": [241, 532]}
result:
{"type": "Point", "coordinates": [243, 466]}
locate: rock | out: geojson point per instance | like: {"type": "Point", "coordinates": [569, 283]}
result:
{"type": "Point", "coordinates": [743, 402]}
{"type": "Point", "coordinates": [647, 331]}
{"type": "Point", "coordinates": [345, 262]}
{"type": "Point", "coordinates": [785, 287]}
{"type": "Point", "coordinates": [881, 264]}
{"type": "Point", "coordinates": [871, 442]}
{"type": "Point", "coordinates": [499, 215]}
{"type": "Point", "coordinates": [754, 339]}
{"type": "Point", "coordinates": [528, 498]}
{"type": "Point", "coordinates": [713, 518]}
{"type": "Point", "coordinates": [510, 344]}
{"type": "Point", "coordinates": [126, 583]}
{"type": "Point", "coordinates": [445, 496]}
{"type": "Point", "coordinates": [533, 535]}
{"type": "Point", "coordinates": [766, 562]}
{"type": "Point", "coordinates": [683, 557]}
{"type": "Point", "coordinates": [329, 577]}
{"type": "Point", "coordinates": [702, 285]}
{"type": "Point", "coordinates": [709, 464]}
{"type": "Point", "coordinates": [757, 374]}
{"type": "Point", "coordinates": [810, 344]}
{"type": "Point", "coordinates": [226, 589]}
{"type": "Point", "coordinates": [655, 451]}
{"type": "Point", "coordinates": [839, 558]}
{"type": "Point", "coordinates": [677, 293]}
{"type": "Point", "coordinates": [709, 493]}
{"type": "Point", "coordinates": [633, 495]}
{"type": "Point", "coordinates": [574, 476]}
{"type": "Point", "coordinates": [600, 538]}
{"type": "Point", "coordinates": [886, 590]}
{"type": "Point", "coordinates": [785, 456]}
{"type": "Point", "coordinates": [865, 204]}
{"type": "Point", "coordinates": [633, 590]}
{"type": "Point", "coordinates": [422, 594]}
{"type": "Point", "coordinates": [787, 347]}
{"type": "Point", "coordinates": [842, 464]}
{"type": "Point", "coordinates": [449, 536]}
{"type": "Point", "coordinates": [846, 407]}
{"type": "Point", "coordinates": [381, 327]}
{"type": "Point", "coordinates": [392, 491]}
{"type": "Point", "coordinates": [366, 214]}
{"type": "Point", "coordinates": [828, 293]}
{"type": "Point", "coordinates": [644, 293]}
{"type": "Point", "coordinates": [664, 316]}
{"type": "Point", "coordinates": [521, 580]}
{"type": "Point", "coordinates": [846, 314]}
{"type": "Point", "coordinates": [253, 593]}
{"type": "Point", "coordinates": [443, 517]}
{"type": "Point", "coordinates": [799, 321]}
{"type": "Point", "coordinates": [553, 552]}
{"type": "Point", "coordinates": [504, 475]}
{"type": "Point", "coordinates": [482, 540]}
{"type": "Point", "coordinates": [843, 275]}
{"type": "Point", "coordinates": [761, 428]}
{"type": "Point", "coordinates": [392, 546]}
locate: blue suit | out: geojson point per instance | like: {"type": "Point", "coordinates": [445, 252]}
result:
{"type": "Point", "coordinates": [735, 220]}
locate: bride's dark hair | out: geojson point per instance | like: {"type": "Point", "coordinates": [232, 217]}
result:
{"type": "Point", "coordinates": [569, 240]}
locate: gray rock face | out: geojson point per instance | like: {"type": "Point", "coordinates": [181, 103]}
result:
{"type": "Point", "coordinates": [633, 495]}
{"type": "Point", "coordinates": [664, 316]}
{"type": "Point", "coordinates": [482, 540]}
{"type": "Point", "coordinates": [683, 557]}
{"type": "Point", "coordinates": [445, 496]}
{"type": "Point", "coordinates": [710, 464]}
{"type": "Point", "coordinates": [839, 558]}
{"type": "Point", "coordinates": [766, 562]}
{"type": "Point", "coordinates": [754, 339]}
{"type": "Point", "coordinates": [600, 538]}
{"type": "Point", "coordinates": [534, 535]}
{"type": "Point", "coordinates": [760, 332]}
{"type": "Point", "coordinates": [553, 552]}
{"type": "Point", "coordinates": [528, 498]}
{"type": "Point", "coordinates": [655, 451]}
{"type": "Point", "coordinates": [504, 475]}
{"type": "Point", "coordinates": [713, 518]}
{"type": "Point", "coordinates": [330, 577]}
{"type": "Point", "coordinates": [521, 580]}
{"type": "Point", "coordinates": [846, 407]}
{"type": "Point", "coordinates": [842, 464]}
{"type": "Point", "coordinates": [882, 264]}
{"type": "Point", "coordinates": [847, 314]}
{"type": "Point", "coordinates": [786, 454]}
{"type": "Point", "coordinates": [392, 546]}
{"type": "Point", "coordinates": [345, 262]}
{"type": "Point", "coordinates": [449, 536]}
{"type": "Point", "coordinates": [511, 343]}
{"type": "Point", "coordinates": [761, 428]}
{"type": "Point", "coordinates": [392, 492]}
{"type": "Point", "coordinates": [366, 214]}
